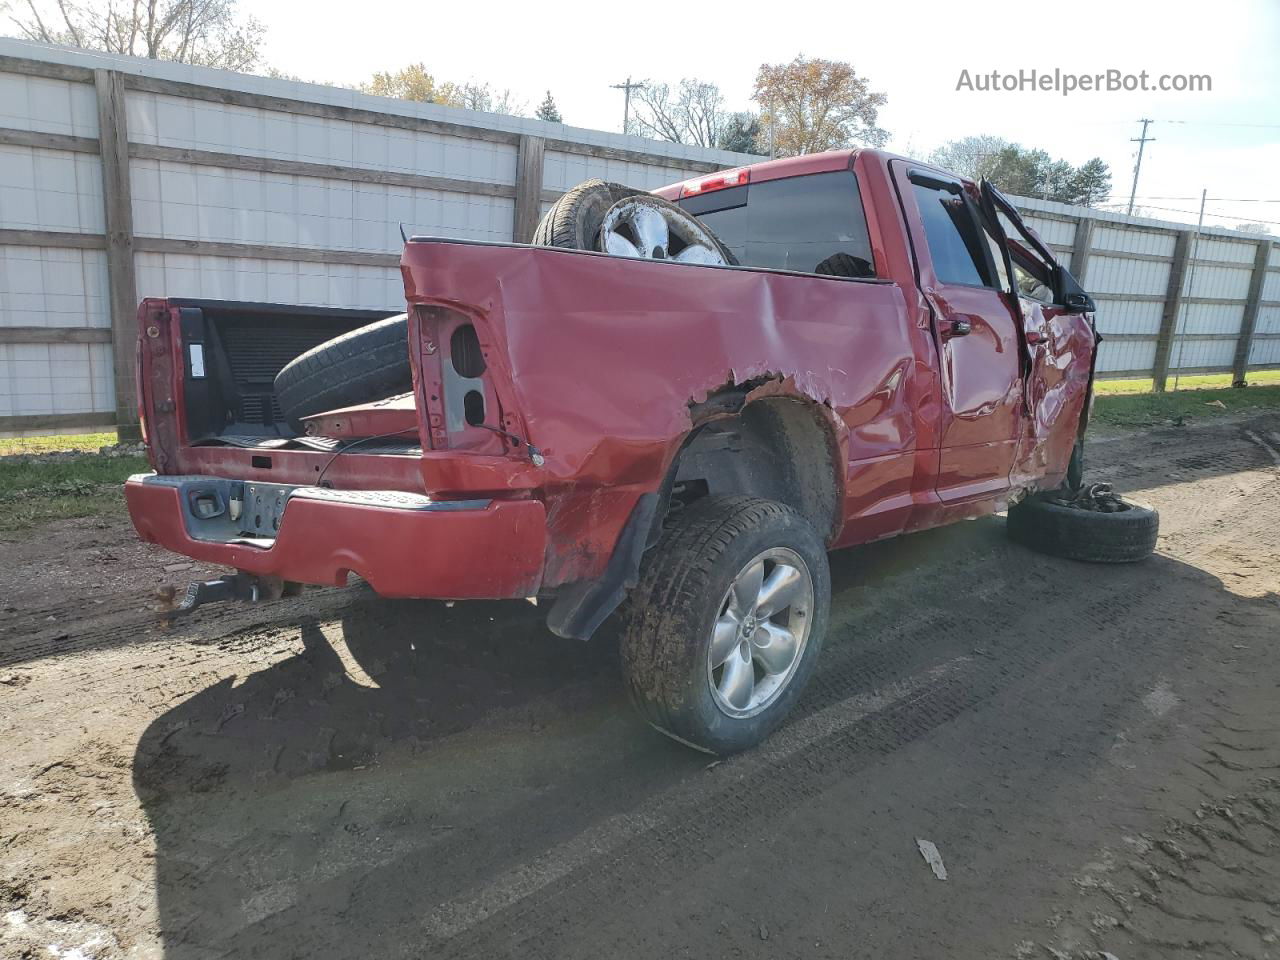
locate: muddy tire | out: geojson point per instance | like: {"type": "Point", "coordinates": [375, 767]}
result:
{"type": "Point", "coordinates": [573, 222]}
{"type": "Point", "coordinates": [1049, 527]}
{"type": "Point", "coordinates": [704, 648]}
{"type": "Point", "coordinates": [369, 363]}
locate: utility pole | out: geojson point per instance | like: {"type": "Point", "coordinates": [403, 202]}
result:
{"type": "Point", "coordinates": [626, 103]}
{"type": "Point", "coordinates": [1191, 281]}
{"type": "Point", "coordinates": [1141, 141]}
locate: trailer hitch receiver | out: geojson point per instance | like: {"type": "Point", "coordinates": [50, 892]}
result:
{"type": "Point", "coordinates": [247, 587]}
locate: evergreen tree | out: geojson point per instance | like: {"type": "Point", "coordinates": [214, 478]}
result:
{"type": "Point", "coordinates": [742, 134]}
{"type": "Point", "coordinates": [547, 110]}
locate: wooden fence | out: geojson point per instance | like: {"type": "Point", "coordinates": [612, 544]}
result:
{"type": "Point", "coordinates": [122, 178]}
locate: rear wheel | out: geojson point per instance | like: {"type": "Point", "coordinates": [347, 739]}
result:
{"type": "Point", "coordinates": [725, 626]}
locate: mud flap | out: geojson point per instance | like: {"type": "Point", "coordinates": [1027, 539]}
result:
{"type": "Point", "coordinates": [581, 608]}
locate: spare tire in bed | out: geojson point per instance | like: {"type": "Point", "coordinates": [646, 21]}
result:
{"type": "Point", "coordinates": [369, 363]}
{"type": "Point", "coordinates": [580, 218]}
{"type": "Point", "coordinates": [573, 222]}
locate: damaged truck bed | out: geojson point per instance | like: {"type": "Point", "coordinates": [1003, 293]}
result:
{"type": "Point", "coordinates": [895, 351]}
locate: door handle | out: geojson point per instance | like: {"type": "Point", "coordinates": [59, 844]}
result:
{"type": "Point", "coordinates": [960, 327]}
{"type": "Point", "coordinates": [1036, 336]}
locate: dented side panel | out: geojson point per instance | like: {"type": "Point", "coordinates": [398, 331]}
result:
{"type": "Point", "coordinates": [1057, 389]}
{"type": "Point", "coordinates": [606, 357]}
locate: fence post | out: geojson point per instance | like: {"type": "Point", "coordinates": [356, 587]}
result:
{"type": "Point", "coordinates": [117, 198]}
{"type": "Point", "coordinates": [1172, 307]}
{"type": "Point", "coordinates": [1250, 319]}
{"type": "Point", "coordinates": [528, 187]}
{"type": "Point", "coordinates": [1081, 247]}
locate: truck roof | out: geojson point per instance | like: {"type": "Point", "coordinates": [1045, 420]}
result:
{"type": "Point", "coordinates": [777, 169]}
{"type": "Point", "coordinates": [799, 166]}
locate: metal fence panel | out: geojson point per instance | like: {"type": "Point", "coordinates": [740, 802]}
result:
{"type": "Point", "coordinates": [223, 185]}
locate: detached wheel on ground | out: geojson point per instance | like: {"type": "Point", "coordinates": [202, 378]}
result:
{"type": "Point", "coordinates": [1096, 526]}
{"type": "Point", "coordinates": [369, 363]}
{"type": "Point", "coordinates": [724, 628]}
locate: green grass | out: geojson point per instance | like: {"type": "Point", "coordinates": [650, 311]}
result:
{"type": "Point", "coordinates": [83, 442]}
{"type": "Point", "coordinates": [35, 492]}
{"type": "Point", "coordinates": [1206, 381]}
{"type": "Point", "coordinates": [1129, 410]}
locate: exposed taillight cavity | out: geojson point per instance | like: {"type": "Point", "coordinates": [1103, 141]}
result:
{"type": "Point", "coordinates": [717, 181]}
{"type": "Point", "coordinates": [465, 352]}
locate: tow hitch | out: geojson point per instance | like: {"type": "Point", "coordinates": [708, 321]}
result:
{"type": "Point", "coordinates": [247, 587]}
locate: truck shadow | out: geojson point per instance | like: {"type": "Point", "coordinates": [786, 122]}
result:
{"type": "Point", "coordinates": [323, 805]}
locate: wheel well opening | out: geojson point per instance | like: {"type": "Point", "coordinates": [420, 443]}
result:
{"type": "Point", "coordinates": [779, 448]}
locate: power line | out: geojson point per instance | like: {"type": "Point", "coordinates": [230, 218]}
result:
{"type": "Point", "coordinates": [1120, 199]}
{"type": "Point", "coordinates": [1221, 216]}
{"type": "Point", "coordinates": [1223, 123]}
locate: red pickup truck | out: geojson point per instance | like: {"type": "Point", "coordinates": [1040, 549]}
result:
{"type": "Point", "coordinates": [873, 347]}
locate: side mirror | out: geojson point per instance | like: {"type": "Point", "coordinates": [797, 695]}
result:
{"type": "Point", "coordinates": [1079, 303]}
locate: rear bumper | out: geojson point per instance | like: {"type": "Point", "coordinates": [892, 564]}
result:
{"type": "Point", "coordinates": [403, 545]}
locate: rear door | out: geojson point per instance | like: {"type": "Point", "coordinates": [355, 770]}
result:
{"type": "Point", "coordinates": [976, 330]}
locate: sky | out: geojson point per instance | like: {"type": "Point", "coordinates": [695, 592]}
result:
{"type": "Point", "coordinates": [1226, 140]}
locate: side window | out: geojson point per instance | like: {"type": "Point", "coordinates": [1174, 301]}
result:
{"type": "Point", "coordinates": [954, 242]}
{"type": "Point", "coordinates": [810, 224]}
{"type": "Point", "coordinates": [1032, 276]}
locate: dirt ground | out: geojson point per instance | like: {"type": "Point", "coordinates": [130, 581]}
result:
{"type": "Point", "coordinates": [1094, 751]}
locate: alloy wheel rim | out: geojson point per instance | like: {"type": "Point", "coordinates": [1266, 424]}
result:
{"type": "Point", "coordinates": [759, 635]}
{"type": "Point", "coordinates": [638, 227]}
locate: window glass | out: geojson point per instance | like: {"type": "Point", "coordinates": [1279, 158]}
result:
{"type": "Point", "coordinates": [811, 224]}
{"type": "Point", "coordinates": [1031, 278]}
{"type": "Point", "coordinates": [1032, 275]}
{"type": "Point", "coordinates": [953, 244]}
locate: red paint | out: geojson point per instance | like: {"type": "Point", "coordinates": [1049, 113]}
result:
{"type": "Point", "coordinates": [394, 416]}
{"type": "Point", "coordinates": [596, 362]}
{"type": "Point", "coordinates": [466, 554]}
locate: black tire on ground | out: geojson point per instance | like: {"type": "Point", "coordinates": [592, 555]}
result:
{"type": "Point", "coordinates": [369, 363]}
{"type": "Point", "coordinates": [1091, 535]}
{"type": "Point", "coordinates": [573, 222]}
{"type": "Point", "coordinates": [670, 614]}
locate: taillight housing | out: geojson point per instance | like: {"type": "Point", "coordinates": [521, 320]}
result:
{"type": "Point", "coordinates": [717, 181]}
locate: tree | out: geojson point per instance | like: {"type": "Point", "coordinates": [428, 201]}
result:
{"type": "Point", "coordinates": [483, 97]}
{"type": "Point", "coordinates": [1024, 172]}
{"type": "Point", "coordinates": [815, 105]}
{"type": "Point", "coordinates": [1091, 183]}
{"type": "Point", "coordinates": [691, 113]}
{"type": "Point", "coordinates": [413, 82]}
{"type": "Point", "coordinates": [973, 157]}
{"type": "Point", "coordinates": [548, 111]}
{"type": "Point", "coordinates": [741, 134]}
{"type": "Point", "coordinates": [203, 32]}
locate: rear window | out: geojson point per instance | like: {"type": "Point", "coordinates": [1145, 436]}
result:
{"type": "Point", "coordinates": [810, 224]}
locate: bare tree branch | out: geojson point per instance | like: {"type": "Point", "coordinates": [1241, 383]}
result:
{"type": "Point", "coordinates": [692, 113]}
{"type": "Point", "coordinates": [206, 32]}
